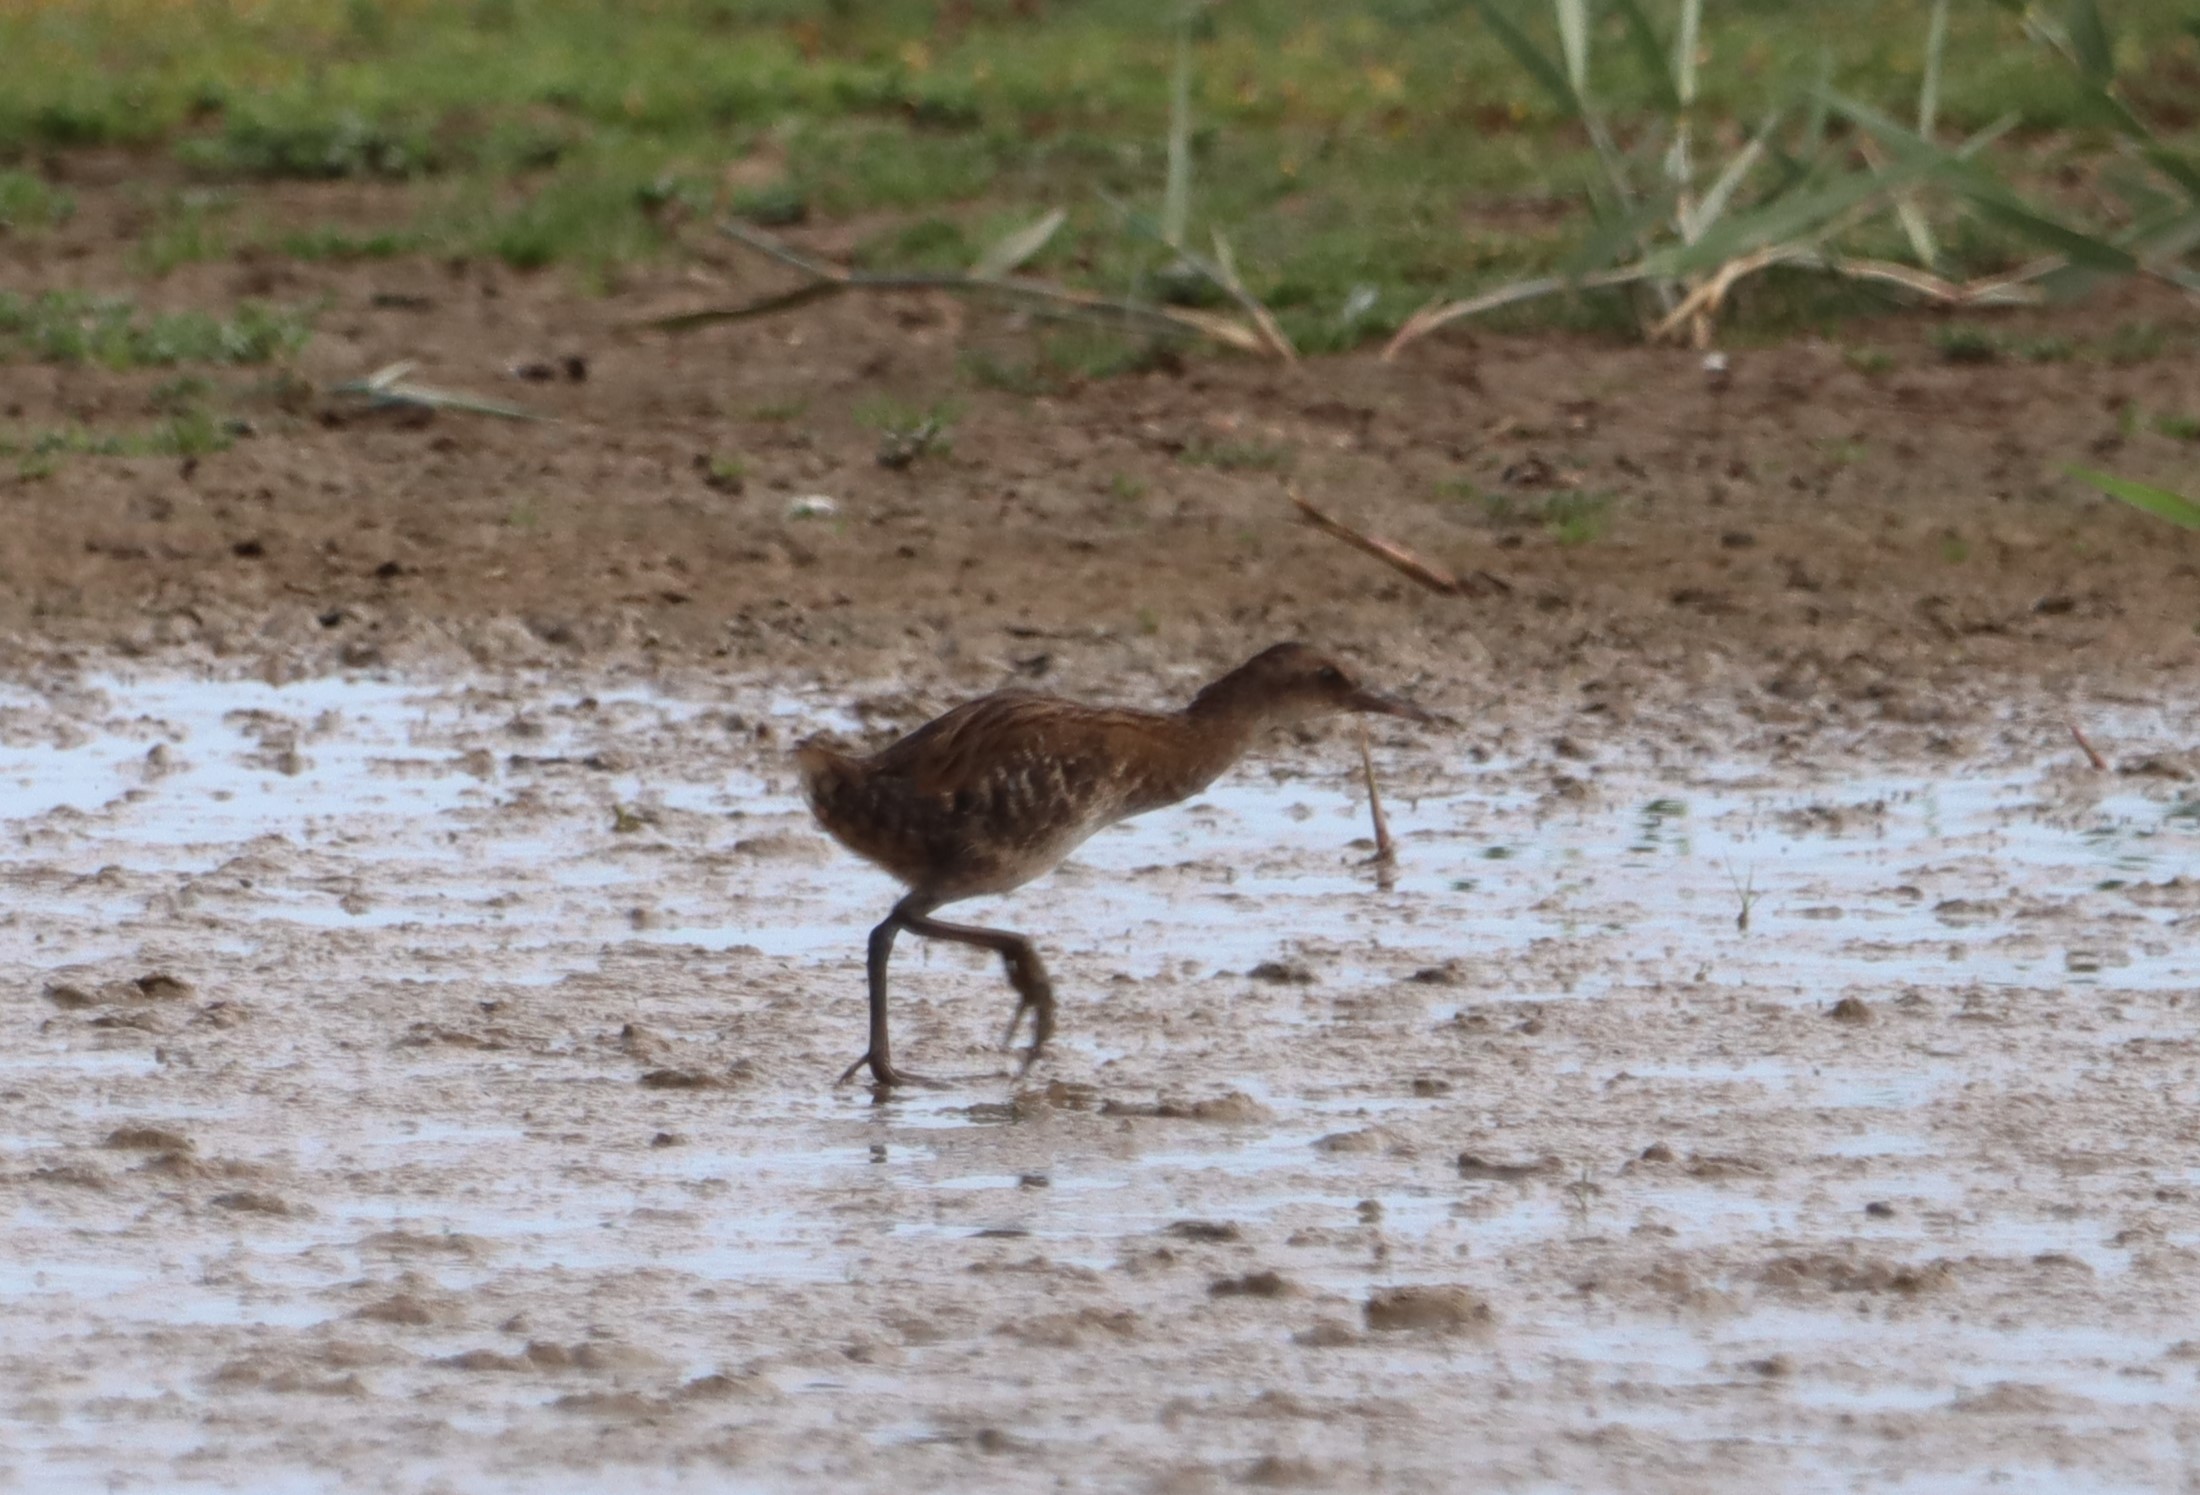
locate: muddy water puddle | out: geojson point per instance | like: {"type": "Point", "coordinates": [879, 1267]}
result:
{"type": "Point", "coordinates": [428, 1082]}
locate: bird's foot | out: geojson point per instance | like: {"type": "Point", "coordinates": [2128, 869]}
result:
{"type": "Point", "coordinates": [1031, 1057]}
{"type": "Point", "coordinates": [885, 1077]}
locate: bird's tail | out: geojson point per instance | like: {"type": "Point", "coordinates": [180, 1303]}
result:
{"type": "Point", "coordinates": [824, 772]}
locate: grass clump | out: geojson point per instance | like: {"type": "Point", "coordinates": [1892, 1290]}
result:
{"type": "Point", "coordinates": [190, 433]}
{"type": "Point", "coordinates": [73, 327]}
{"type": "Point", "coordinates": [28, 204]}
{"type": "Point", "coordinates": [1966, 342]}
{"type": "Point", "coordinates": [1571, 516]}
{"type": "Point", "coordinates": [906, 433]}
{"type": "Point", "coordinates": [301, 143]}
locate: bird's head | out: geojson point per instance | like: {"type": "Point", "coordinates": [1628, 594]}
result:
{"type": "Point", "coordinates": [1297, 682]}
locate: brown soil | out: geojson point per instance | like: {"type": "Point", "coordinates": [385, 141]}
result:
{"type": "Point", "coordinates": [1771, 1066]}
{"type": "Point", "coordinates": [1802, 529]}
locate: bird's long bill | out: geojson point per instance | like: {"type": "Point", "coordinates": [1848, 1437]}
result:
{"type": "Point", "coordinates": [1368, 700]}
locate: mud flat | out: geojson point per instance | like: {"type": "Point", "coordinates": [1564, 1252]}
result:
{"type": "Point", "coordinates": [425, 1082]}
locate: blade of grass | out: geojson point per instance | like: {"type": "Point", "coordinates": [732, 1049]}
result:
{"type": "Point", "coordinates": [1442, 313]}
{"type": "Point", "coordinates": [1987, 193]}
{"type": "Point", "coordinates": [2180, 168]}
{"type": "Point", "coordinates": [1651, 53]}
{"type": "Point", "coordinates": [2089, 43]}
{"type": "Point", "coordinates": [1684, 51]}
{"type": "Point", "coordinates": [1716, 201]}
{"type": "Point", "coordinates": [1907, 209]}
{"type": "Point", "coordinates": [1573, 41]}
{"type": "Point", "coordinates": [2160, 502]}
{"type": "Point", "coordinates": [1532, 61]}
{"type": "Point", "coordinates": [1176, 194]}
{"type": "Point", "coordinates": [1271, 331]}
{"type": "Point", "coordinates": [2080, 249]}
{"type": "Point", "coordinates": [1928, 91]}
{"type": "Point", "coordinates": [1011, 250]}
{"type": "Point", "coordinates": [1793, 219]}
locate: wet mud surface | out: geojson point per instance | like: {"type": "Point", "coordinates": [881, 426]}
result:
{"type": "Point", "coordinates": [425, 1082]}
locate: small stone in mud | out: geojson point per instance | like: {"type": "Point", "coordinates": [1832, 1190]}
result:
{"type": "Point", "coordinates": [1772, 1367]}
{"type": "Point", "coordinates": [1656, 1152]}
{"type": "Point", "coordinates": [1851, 1010]}
{"type": "Point", "coordinates": [1034, 1181]}
{"type": "Point", "coordinates": [1425, 1087]}
{"type": "Point", "coordinates": [1235, 1106]}
{"type": "Point", "coordinates": [1283, 973]}
{"type": "Point", "coordinates": [691, 1079]}
{"type": "Point", "coordinates": [1446, 974]}
{"type": "Point", "coordinates": [1251, 1285]}
{"type": "Point", "coordinates": [159, 986]}
{"type": "Point", "coordinates": [717, 1386]}
{"type": "Point", "coordinates": [245, 1201]}
{"type": "Point", "coordinates": [399, 1308]}
{"type": "Point", "coordinates": [1202, 1230]}
{"type": "Point", "coordinates": [68, 996]}
{"type": "Point", "coordinates": [1366, 1139]}
{"type": "Point", "coordinates": [147, 1139]}
{"type": "Point", "coordinates": [667, 1139]}
{"type": "Point", "coordinates": [1326, 1334]}
{"type": "Point", "coordinates": [1370, 1211]}
{"type": "Point", "coordinates": [1439, 1309]}
{"type": "Point", "coordinates": [1275, 1471]}
{"type": "Point", "coordinates": [483, 1360]}
{"type": "Point", "coordinates": [1472, 1165]}
{"type": "Point", "coordinates": [1879, 1209]}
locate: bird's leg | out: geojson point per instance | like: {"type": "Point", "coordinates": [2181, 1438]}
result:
{"type": "Point", "coordinates": [879, 1056]}
{"type": "Point", "coordinates": [1025, 973]}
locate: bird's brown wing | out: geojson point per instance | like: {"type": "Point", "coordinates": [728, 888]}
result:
{"type": "Point", "coordinates": [1012, 780]}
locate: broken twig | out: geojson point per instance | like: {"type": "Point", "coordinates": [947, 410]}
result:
{"type": "Point", "coordinates": [1392, 554]}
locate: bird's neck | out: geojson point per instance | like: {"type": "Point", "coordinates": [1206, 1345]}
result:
{"type": "Point", "coordinates": [1216, 729]}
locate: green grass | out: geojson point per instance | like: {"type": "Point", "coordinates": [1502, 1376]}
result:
{"type": "Point", "coordinates": [192, 227]}
{"type": "Point", "coordinates": [70, 327]}
{"type": "Point", "coordinates": [1363, 158]}
{"type": "Point", "coordinates": [1236, 456]}
{"type": "Point", "coordinates": [1967, 342]}
{"type": "Point", "coordinates": [39, 454]}
{"type": "Point", "coordinates": [1571, 516]}
{"type": "Point", "coordinates": [28, 204]}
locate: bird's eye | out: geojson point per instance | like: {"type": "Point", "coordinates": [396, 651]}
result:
{"type": "Point", "coordinates": [1329, 674]}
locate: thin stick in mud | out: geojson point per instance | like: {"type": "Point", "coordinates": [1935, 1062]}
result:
{"type": "Point", "coordinates": [1386, 850]}
{"type": "Point", "coordinates": [2092, 754]}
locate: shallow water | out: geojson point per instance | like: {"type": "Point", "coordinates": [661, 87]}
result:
{"type": "Point", "coordinates": [513, 1011]}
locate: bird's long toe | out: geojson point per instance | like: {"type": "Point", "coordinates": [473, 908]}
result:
{"type": "Point", "coordinates": [884, 1076]}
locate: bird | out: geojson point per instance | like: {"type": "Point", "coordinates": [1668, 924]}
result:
{"type": "Point", "coordinates": [998, 791]}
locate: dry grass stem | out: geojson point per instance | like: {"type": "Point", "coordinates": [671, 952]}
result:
{"type": "Point", "coordinates": [391, 385]}
{"type": "Point", "coordinates": [827, 280]}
